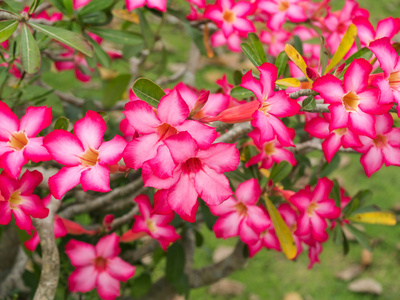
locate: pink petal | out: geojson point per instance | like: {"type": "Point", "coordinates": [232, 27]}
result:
{"type": "Point", "coordinates": [150, 179]}
{"type": "Point", "coordinates": [331, 145]}
{"type": "Point", "coordinates": [295, 13]}
{"type": "Point", "coordinates": [96, 178]}
{"type": "Point", "coordinates": [32, 205]}
{"type": "Point", "coordinates": [391, 156]}
{"type": "Point", "coordinates": [257, 218]}
{"type": "Point", "coordinates": [111, 152]}
{"type": "Point", "coordinates": [383, 123]}
{"type": "Point", "coordinates": [340, 117]}
{"type": "Point", "coordinates": [35, 120]}
{"type": "Point", "coordinates": [64, 65]}
{"type": "Point", "coordinates": [83, 279]}
{"type": "Point", "coordinates": [282, 133]}
{"type": "Point", "coordinates": [64, 147]}
{"type": "Point", "coordinates": [248, 192]}
{"type": "Point", "coordinates": [227, 226]}
{"type": "Point", "coordinates": [80, 253]}
{"type": "Point", "coordinates": [160, 5]}
{"type": "Point", "coordinates": [388, 27]}
{"type": "Point", "coordinates": [35, 150]}
{"type": "Point", "coordinates": [132, 4]}
{"type": "Point", "coordinates": [250, 83]}
{"type": "Point", "coordinates": [385, 54]}
{"type": "Point", "coordinates": [141, 116]}
{"type": "Point", "coordinates": [303, 225]}
{"type": "Point", "coordinates": [365, 30]}
{"type": "Point", "coordinates": [226, 207]}
{"type": "Point", "coordinates": [242, 8]}
{"type": "Point", "coordinates": [328, 209]}
{"type": "Point", "coordinates": [330, 88]}
{"type": "Point", "coordinates": [276, 21]}
{"type": "Point", "coordinates": [282, 106]}
{"type": "Point", "coordinates": [90, 130]}
{"type": "Point", "coordinates": [13, 163]}
{"type": "Point", "coordinates": [318, 228]}
{"type": "Point", "coordinates": [108, 247]}
{"type": "Point", "coordinates": [356, 77]}
{"type": "Point", "coordinates": [263, 124]}
{"type": "Point", "coordinates": [322, 190]}
{"type": "Point", "coordinates": [317, 127]}
{"type": "Point", "coordinates": [140, 150]}
{"type": "Point", "coordinates": [5, 213]}
{"type": "Point", "coordinates": [107, 286]}
{"type": "Point", "coordinates": [247, 234]}
{"type": "Point", "coordinates": [369, 102]}
{"type": "Point", "coordinates": [29, 181]}
{"type": "Point", "coordinates": [9, 122]}
{"type": "Point", "coordinates": [64, 180]}
{"type": "Point", "coordinates": [182, 146]}
{"type": "Point", "coordinates": [120, 269]}
{"type": "Point", "coordinates": [244, 25]}
{"type": "Point", "coordinates": [362, 123]}
{"type": "Point", "coordinates": [160, 203]}
{"type": "Point", "coordinates": [212, 187]}
{"type": "Point", "coordinates": [203, 134]}
{"type": "Point", "coordinates": [393, 137]}
{"type": "Point", "coordinates": [372, 161]}
{"type": "Point", "coordinates": [172, 109]}
{"type": "Point", "coordinates": [301, 200]}
{"type": "Point", "coordinates": [182, 198]}
{"type": "Point", "coordinates": [220, 157]}
{"type": "Point", "coordinates": [386, 96]}
{"type": "Point", "coordinates": [162, 164]}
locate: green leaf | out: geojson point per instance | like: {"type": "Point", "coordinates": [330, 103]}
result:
{"type": "Point", "coordinates": [114, 89]}
{"type": "Point", "coordinates": [61, 123]}
{"type": "Point", "coordinates": [199, 238]}
{"type": "Point", "coordinates": [59, 5]}
{"type": "Point", "coordinates": [208, 217]}
{"type": "Point", "coordinates": [237, 77]}
{"type": "Point", "coordinates": [281, 63]}
{"type": "Point", "coordinates": [346, 245]}
{"type": "Point", "coordinates": [95, 6]}
{"type": "Point", "coordinates": [147, 33]}
{"type": "Point", "coordinates": [328, 168]}
{"type": "Point", "coordinates": [97, 18]}
{"type": "Point", "coordinates": [251, 55]}
{"type": "Point", "coordinates": [66, 37]}
{"type": "Point", "coordinates": [7, 28]}
{"type": "Point", "coordinates": [362, 53]}
{"type": "Point", "coordinates": [239, 92]}
{"type": "Point", "coordinates": [34, 6]}
{"type": "Point", "coordinates": [141, 285]}
{"type": "Point", "coordinates": [309, 103]}
{"type": "Point", "coordinates": [257, 47]}
{"type": "Point", "coordinates": [361, 237]}
{"type": "Point", "coordinates": [118, 36]}
{"type": "Point", "coordinates": [175, 262]}
{"type": "Point", "coordinates": [5, 6]}
{"type": "Point", "coordinates": [148, 91]}
{"type": "Point", "coordinates": [102, 56]}
{"type": "Point", "coordinates": [30, 54]}
{"type": "Point", "coordinates": [298, 44]}
{"type": "Point", "coordinates": [336, 193]}
{"type": "Point", "coordinates": [280, 171]}
{"type": "Point", "coordinates": [283, 233]}
{"type": "Point", "coordinates": [69, 6]}
{"type": "Point", "coordinates": [104, 115]}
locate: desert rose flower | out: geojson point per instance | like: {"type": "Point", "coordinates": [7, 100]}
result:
{"type": "Point", "coordinates": [18, 141]}
{"type": "Point", "coordinates": [85, 156]}
{"type": "Point", "coordinates": [282, 9]}
{"type": "Point", "coordinates": [98, 266]}
{"type": "Point", "coordinates": [156, 4]}
{"type": "Point", "coordinates": [388, 27]}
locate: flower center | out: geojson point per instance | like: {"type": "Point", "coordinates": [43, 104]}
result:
{"type": "Point", "coordinates": [100, 263]}
{"type": "Point", "coordinates": [264, 108]}
{"type": "Point", "coordinates": [151, 225]}
{"type": "Point", "coordinates": [229, 16]}
{"type": "Point", "coordinates": [394, 79]}
{"type": "Point", "coordinates": [18, 140]}
{"type": "Point", "coordinates": [293, 227]}
{"type": "Point", "coordinates": [283, 5]}
{"type": "Point", "coordinates": [89, 158]}
{"type": "Point", "coordinates": [340, 131]}
{"type": "Point", "coordinates": [241, 209]}
{"type": "Point", "coordinates": [269, 148]}
{"type": "Point", "coordinates": [380, 141]}
{"type": "Point", "coordinates": [165, 130]}
{"type": "Point", "coordinates": [192, 165]}
{"type": "Point", "coordinates": [311, 209]}
{"type": "Point", "coordinates": [15, 200]}
{"type": "Point", "coordinates": [350, 101]}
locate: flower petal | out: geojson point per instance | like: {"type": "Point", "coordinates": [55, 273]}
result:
{"type": "Point", "coordinates": [35, 120]}
{"type": "Point", "coordinates": [80, 253]}
{"type": "Point", "coordinates": [64, 180]}
{"type": "Point", "coordinates": [90, 130]}
{"type": "Point", "coordinates": [96, 178]}
{"type": "Point", "coordinates": [120, 269]}
{"type": "Point", "coordinates": [108, 247]}
{"type": "Point", "coordinates": [64, 147]}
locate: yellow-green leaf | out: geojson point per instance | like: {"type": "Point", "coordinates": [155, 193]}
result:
{"type": "Point", "coordinates": [297, 59]}
{"type": "Point", "coordinates": [283, 233]}
{"type": "Point", "coordinates": [344, 47]}
{"type": "Point", "coordinates": [288, 82]}
{"type": "Point", "coordinates": [374, 217]}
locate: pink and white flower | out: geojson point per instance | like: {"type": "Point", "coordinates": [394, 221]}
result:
{"type": "Point", "coordinates": [388, 27]}
{"type": "Point", "coordinates": [98, 266]}
{"type": "Point", "coordinates": [282, 9]}
{"type": "Point", "coordinates": [160, 5]}
{"type": "Point", "coordinates": [85, 156]}
{"type": "Point", "coordinates": [17, 199]}
{"type": "Point", "coordinates": [18, 141]}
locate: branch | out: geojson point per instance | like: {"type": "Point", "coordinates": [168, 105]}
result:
{"type": "Point", "coordinates": [118, 222]}
{"type": "Point", "coordinates": [302, 93]}
{"type": "Point", "coordinates": [134, 256]}
{"type": "Point", "coordinates": [237, 131]}
{"type": "Point", "coordinates": [50, 258]}
{"type": "Point", "coordinates": [131, 188]}
{"type": "Point", "coordinates": [314, 144]}
{"type": "Point", "coordinates": [4, 15]}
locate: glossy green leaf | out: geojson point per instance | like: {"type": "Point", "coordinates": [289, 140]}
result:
{"type": "Point", "coordinates": [361, 237]}
{"type": "Point", "coordinates": [30, 54]}
{"type": "Point", "coordinates": [257, 47]}
{"type": "Point", "coordinates": [298, 44]}
{"type": "Point", "coordinates": [336, 193]}
{"type": "Point", "coordinates": [280, 171]}
{"type": "Point", "coordinates": [237, 77]}
{"type": "Point", "coordinates": [102, 56]}
{"type": "Point", "coordinates": [95, 6]}
{"type": "Point", "coordinates": [328, 168]}
{"type": "Point", "coordinates": [141, 285]}
{"type": "Point", "coordinates": [118, 36]}
{"type": "Point", "coordinates": [34, 6]}
{"type": "Point", "coordinates": [251, 55]}
{"type": "Point", "coordinates": [61, 123]}
{"type": "Point", "coordinates": [66, 37]}
{"type": "Point", "coordinates": [283, 233]}
{"type": "Point", "coordinates": [281, 63]}
{"type": "Point", "coordinates": [7, 28]}
{"type": "Point", "coordinates": [309, 103]}
{"type": "Point", "coordinates": [239, 92]}
{"type": "Point", "coordinates": [114, 89]}
{"type": "Point", "coordinates": [175, 262]}
{"type": "Point", "coordinates": [148, 91]}
{"type": "Point", "coordinates": [147, 33]}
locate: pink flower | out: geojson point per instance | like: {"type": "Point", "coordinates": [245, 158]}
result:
{"type": "Point", "coordinates": [154, 128]}
{"type": "Point", "coordinates": [198, 173]}
{"type": "Point", "coordinates": [269, 153]}
{"type": "Point", "coordinates": [275, 40]}
{"type": "Point", "coordinates": [272, 105]}
{"type": "Point", "coordinates": [98, 266]}
{"type": "Point", "coordinates": [282, 9]}
{"type": "Point", "coordinates": [155, 225]}
{"type": "Point", "coordinates": [76, 62]}
{"type": "Point", "coordinates": [352, 102]}
{"type": "Point", "coordinates": [231, 16]}
{"type": "Point", "coordinates": [17, 199]}
{"type": "Point", "coordinates": [18, 143]}
{"type": "Point", "coordinates": [314, 207]}
{"type": "Point", "coordinates": [384, 148]}
{"type": "Point", "coordinates": [43, 15]}
{"type": "Point", "coordinates": [233, 41]}
{"type": "Point", "coordinates": [160, 5]}
{"type": "Point", "coordinates": [389, 81]}
{"type": "Point", "coordinates": [388, 27]}
{"type": "Point", "coordinates": [77, 4]}
{"type": "Point", "coordinates": [85, 156]}
{"type": "Point", "coordinates": [240, 216]}
{"type": "Point", "coordinates": [342, 137]}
